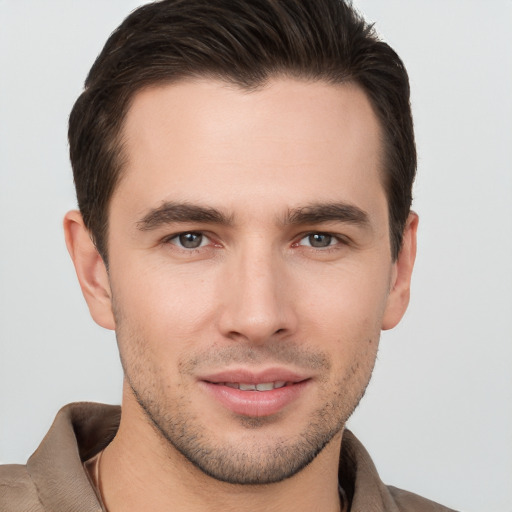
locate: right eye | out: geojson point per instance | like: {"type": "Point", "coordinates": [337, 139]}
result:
{"type": "Point", "coordinates": [189, 240]}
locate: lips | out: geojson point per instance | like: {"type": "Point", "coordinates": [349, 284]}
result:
{"type": "Point", "coordinates": [264, 386]}
{"type": "Point", "coordinates": [255, 394]}
{"type": "Point", "coordinates": [247, 376]}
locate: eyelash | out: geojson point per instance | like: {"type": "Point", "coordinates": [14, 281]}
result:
{"type": "Point", "coordinates": [339, 240]}
{"type": "Point", "coordinates": [169, 240]}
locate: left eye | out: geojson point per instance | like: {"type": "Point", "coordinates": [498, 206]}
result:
{"type": "Point", "coordinates": [190, 240]}
{"type": "Point", "coordinates": [319, 240]}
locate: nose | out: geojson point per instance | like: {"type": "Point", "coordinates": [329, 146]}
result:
{"type": "Point", "coordinates": [257, 298]}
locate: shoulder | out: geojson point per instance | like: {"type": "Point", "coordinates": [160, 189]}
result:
{"type": "Point", "coordinates": [54, 477]}
{"type": "Point", "coordinates": [359, 478]}
{"type": "Point", "coordinates": [17, 490]}
{"type": "Point", "coordinates": [409, 502]}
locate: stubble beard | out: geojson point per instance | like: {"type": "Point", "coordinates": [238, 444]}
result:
{"type": "Point", "coordinates": [255, 462]}
{"type": "Point", "coordinates": [259, 464]}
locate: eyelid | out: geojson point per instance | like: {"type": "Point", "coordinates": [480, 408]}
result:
{"type": "Point", "coordinates": [208, 239]}
{"type": "Point", "coordinates": [170, 239]}
{"type": "Point", "coordinates": [339, 240]}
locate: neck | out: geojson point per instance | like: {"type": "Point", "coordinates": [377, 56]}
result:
{"type": "Point", "coordinates": [140, 470]}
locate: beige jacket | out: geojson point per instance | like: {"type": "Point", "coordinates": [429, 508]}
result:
{"type": "Point", "coordinates": [54, 480]}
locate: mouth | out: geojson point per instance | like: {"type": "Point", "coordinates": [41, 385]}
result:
{"type": "Point", "coordinates": [262, 386]}
{"type": "Point", "coordinates": [257, 394]}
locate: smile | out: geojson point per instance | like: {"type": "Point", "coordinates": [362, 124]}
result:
{"type": "Point", "coordinates": [255, 397]}
{"type": "Point", "coordinates": [264, 386]}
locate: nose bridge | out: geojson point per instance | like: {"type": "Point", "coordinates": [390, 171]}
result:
{"type": "Point", "coordinates": [258, 303]}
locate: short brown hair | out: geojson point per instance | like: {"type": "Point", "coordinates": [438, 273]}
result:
{"type": "Point", "coordinates": [244, 42]}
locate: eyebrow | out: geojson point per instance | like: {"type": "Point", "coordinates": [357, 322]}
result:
{"type": "Point", "coordinates": [170, 212]}
{"type": "Point", "coordinates": [316, 213]}
{"type": "Point", "coordinates": [328, 212]}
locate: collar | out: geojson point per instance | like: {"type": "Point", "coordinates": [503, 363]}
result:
{"type": "Point", "coordinates": [81, 430]}
{"type": "Point", "coordinates": [78, 432]}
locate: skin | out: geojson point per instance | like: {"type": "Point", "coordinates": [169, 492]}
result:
{"type": "Point", "coordinates": [275, 283]}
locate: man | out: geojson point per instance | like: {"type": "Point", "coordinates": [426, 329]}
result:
{"type": "Point", "coordinates": [244, 173]}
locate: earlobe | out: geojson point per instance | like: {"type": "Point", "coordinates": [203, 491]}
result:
{"type": "Point", "coordinates": [398, 298]}
{"type": "Point", "coordinates": [90, 270]}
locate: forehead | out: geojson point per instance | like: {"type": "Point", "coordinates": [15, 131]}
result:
{"type": "Point", "coordinates": [289, 143]}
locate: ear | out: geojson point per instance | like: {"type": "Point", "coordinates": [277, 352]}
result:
{"type": "Point", "coordinates": [90, 270]}
{"type": "Point", "coordinates": [398, 298]}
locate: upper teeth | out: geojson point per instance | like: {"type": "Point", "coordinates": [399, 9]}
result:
{"type": "Point", "coordinates": [264, 386]}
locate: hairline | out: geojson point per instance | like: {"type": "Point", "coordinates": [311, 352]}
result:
{"type": "Point", "coordinates": [118, 142]}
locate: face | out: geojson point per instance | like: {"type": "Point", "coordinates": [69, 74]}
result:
{"type": "Point", "coordinates": [250, 269]}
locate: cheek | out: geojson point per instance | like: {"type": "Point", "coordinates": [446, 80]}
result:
{"type": "Point", "coordinates": [165, 299]}
{"type": "Point", "coordinates": [352, 297]}
{"type": "Point", "coordinates": [160, 317]}
{"type": "Point", "coordinates": [344, 315]}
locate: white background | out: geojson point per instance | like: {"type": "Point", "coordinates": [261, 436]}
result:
{"type": "Point", "coordinates": [437, 417]}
